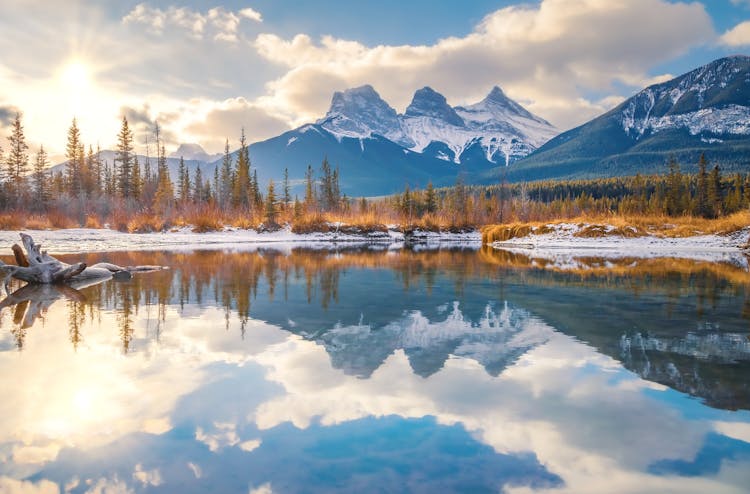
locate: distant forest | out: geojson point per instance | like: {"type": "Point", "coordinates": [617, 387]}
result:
{"type": "Point", "coordinates": [132, 196]}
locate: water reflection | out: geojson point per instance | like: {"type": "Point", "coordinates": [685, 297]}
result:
{"type": "Point", "coordinates": [389, 371]}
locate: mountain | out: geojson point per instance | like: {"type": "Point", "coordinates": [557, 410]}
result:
{"type": "Point", "coordinates": [370, 166]}
{"type": "Point", "coordinates": [495, 130]}
{"type": "Point", "coordinates": [194, 152]}
{"type": "Point", "coordinates": [706, 111]}
{"type": "Point", "coordinates": [379, 151]}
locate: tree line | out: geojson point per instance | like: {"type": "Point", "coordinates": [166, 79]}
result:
{"type": "Point", "coordinates": [229, 193]}
{"type": "Point", "coordinates": [90, 185]}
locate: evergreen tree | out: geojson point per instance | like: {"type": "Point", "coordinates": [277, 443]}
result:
{"type": "Point", "coordinates": [198, 186]}
{"type": "Point", "coordinates": [124, 156]}
{"type": "Point", "coordinates": [41, 187]}
{"type": "Point", "coordinates": [72, 154]}
{"type": "Point", "coordinates": [746, 191]}
{"type": "Point", "coordinates": [310, 200]}
{"type": "Point", "coordinates": [270, 207]}
{"type": "Point", "coordinates": [17, 159]}
{"type": "Point", "coordinates": [715, 192]}
{"type": "Point", "coordinates": [675, 191]}
{"type": "Point", "coordinates": [137, 180]}
{"type": "Point", "coordinates": [241, 189]}
{"type": "Point", "coordinates": [164, 189]}
{"type": "Point", "coordinates": [702, 207]}
{"type": "Point", "coordinates": [287, 197]}
{"type": "Point", "coordinates": [181, 170]}
{"type": "Point", "coordinates": [430, 200]}
{"type": "Point", "coordinates": [224, 190]}
{"type": "Point", "coordinates": [255, 190]}
{"type": "Point", "coordinates": [329, 188]}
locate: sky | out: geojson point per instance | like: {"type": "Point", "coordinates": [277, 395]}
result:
{"type": "Point", "coordinates": [205, 70]}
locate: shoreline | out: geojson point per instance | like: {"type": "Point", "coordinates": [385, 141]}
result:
{"type": "Point", "coordinates": [560, 246]}
{"type": "Point", "coordinates": [559, 241]}
{"type": "Point", "coordinates": [92, 240]}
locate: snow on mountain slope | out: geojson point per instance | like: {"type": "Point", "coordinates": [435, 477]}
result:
{"type": "Point", "coordinates": [361, 112]}
{"type": "Point", "coordinates": [501, 127]}
{"type": "Point", "coordinates": [712, 98]}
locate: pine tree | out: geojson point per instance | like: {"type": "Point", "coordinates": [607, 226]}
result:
{"type": "Point", "coordinates": [715, 192]}
{"type": "Point", "coordinates": [41, 187]}
{"type": "Point", "coordinates": [256, 196]}
{"type": "Point", "coordinates": [198, 186]}
{"type": "Point", "coordinates": [675, 192]}
{"type": "Point", "coordinates": [702, 207]}
{"type": "Point", "coordinates": [181, 170]}
{"type": "Point", "coordinates": [287, 197]}
{"type": "Point", "coordinates": [430, 200]}
{"type": "Point", "coordinates": [137, 180]}
{"type": "Point", "coordinates": [73, 165]}
{"type": "Point", "coordinates": [310, 201]}
{"type": "Point", "coordinates": [270, 207]}
{"type": "Point", "coordinates": [124, 156]}
{"type": "Point", "coordinates": [17, 159]}
{"type": "Point", "coordinates": [241, 189]}
{"type": "Point", "coordinates": [746, 191]}
{"type": "Point", "coordinates": [164, 197]}
{"type": "Point", "coordinates": [224, 191]}
{"type": "Point", "coordinates": [328, 193]}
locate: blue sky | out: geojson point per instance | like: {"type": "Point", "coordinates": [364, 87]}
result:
{"type": "Point", "coordinates": [205, 69]}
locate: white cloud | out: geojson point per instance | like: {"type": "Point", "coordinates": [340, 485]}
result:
{"type": "Point", "coordinates": [739, 35]}
{"type": "Point", "coordinates": [549, 56]}
{"type": "Point", "coordinates": [225, 120]}
{"type": "Point", "coordinates": [221, 24]}
{"type": "Point", "coordinates": [13, 486]}
{"type": "Point", "coordinates": [147, 477]}
{"type": "Point", "coordinates": [252, 14]}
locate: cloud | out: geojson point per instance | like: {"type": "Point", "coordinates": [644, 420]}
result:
{"type": "Point", "coordinates": [739, 35]}
{"type": "Point", "coordinates": [13, 486]}
{"type": "Point", "coordinates": [7, 115]}
{"type": "Point", "coordinates": [251, 14]}
{"type": "Point", "coordinates": [549, 56]}
{"type": "Point", "coordinates": [219, 23]}
{"type": "Point", "coordinates": [227, 119]}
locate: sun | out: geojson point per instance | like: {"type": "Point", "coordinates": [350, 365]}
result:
{"type": "Point", "coordinates": [75, 75]}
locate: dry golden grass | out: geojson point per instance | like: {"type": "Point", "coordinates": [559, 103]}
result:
{"type": "Point", "coordinates": [92, 222]}
{"type": "Point", "coordinates": [626, 226]}
{"type": "Point", "coordinates": [37, 222]}
{"type": "Point", "coordinates": [311, 223]}
{"type": "Point", "coordinates": [146, 223]}
{"type": "Point", "coordinates": [500, 233]}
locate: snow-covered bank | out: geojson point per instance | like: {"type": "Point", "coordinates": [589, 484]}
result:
{"type": "Point", "coordinates": [563, 248]}
{"type": "Point", "coordinates": [79, 240]}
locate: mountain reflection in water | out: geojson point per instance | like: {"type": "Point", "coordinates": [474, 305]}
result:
{"type": "Point", "coordinates": [462, 369]}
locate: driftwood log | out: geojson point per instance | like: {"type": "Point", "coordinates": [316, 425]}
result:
{"type": "Point", "coordinates": [35, 266]}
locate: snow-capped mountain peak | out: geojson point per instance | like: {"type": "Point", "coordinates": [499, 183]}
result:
{"type": "Point", "coordinates": [429, 103]}
{"type": "Point", "coordinates": [503, 129]}
{"type": "Point", "coordinates": [360, 112]}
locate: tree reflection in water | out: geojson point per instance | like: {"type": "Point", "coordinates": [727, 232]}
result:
{"type": "Point", "coordinates": [672, 308]}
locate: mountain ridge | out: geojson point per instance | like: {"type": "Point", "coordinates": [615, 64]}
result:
{"type": "Point", "coordinates": [706, 110]}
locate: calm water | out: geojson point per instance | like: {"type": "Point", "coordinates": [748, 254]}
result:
{"type": "Point", "coordinates": [370, 371]}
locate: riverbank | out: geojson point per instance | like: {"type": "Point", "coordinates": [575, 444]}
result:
{"type": "Point", "coordinates": [79, 240]}
{"type": "Point", "coordinates": [568, 244]}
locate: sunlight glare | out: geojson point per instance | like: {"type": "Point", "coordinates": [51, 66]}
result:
{"type": "Point", "coordinates": [75, 75]}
